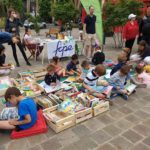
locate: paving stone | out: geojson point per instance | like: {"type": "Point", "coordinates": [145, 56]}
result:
{"type": "Point", "coordinates": [6, 139]}
{"type": "Point", "coordinates": [143, 130]}
{"type": "Point", "coordinates": [146, 109]}
{"type": "Point", "coordinates": [141, 93]}
{"type": "Point", "coordinates": [112, 130]}
{"type": "Point", "coordinates": [82, 144]}
{"type": "Point", "coordinates": [2, 147]}
{"type": "Point", "coordinates": [67, 137]}
{"type": "Point", "coordinates": [123, 124]}
{"type": "Point", "coordinates": [94, 124]}
{"type": "Point", "coordinates": [121, 143]}
{"type": "Point", "coordinates": [125, 110]}
{"type": "Point", "coordinates": [81, 130]}
{"type": "Point", "coordinates": [105, 119]}
{"type": "Point", "coordinates": [50, 133]}
{"type": "Point", "coordinates": [132, 136]}
{"type": "Point", "coordinates": [115, 114]}
{"type": "Point", "coordinates": [20, 144]}
{"type": "Point", "coordinates": [146, 122]}
{"type": "Point", "coordinates": [100, 136]}
{"type": "Point", "coordinates": [133, 106]}
{"type": "Point", "coordinates": [106, 147]}
{"type": "Point", "coordinates": [132, 118]}
{"type": "Point", "coordinates": [139, 146]}
{"type": "Point", "coordinates": [37, 139]}
{"type": "Point", "coordinates": [119, 102]}
{"type": "Point", "coordinates": [35, 148]}
{"type": "Point", "coordinates": [141, 114]}
{"type": "Point", "coordinates": [147, 141]}
{"type": "Point", "coordinates": [52, 144]}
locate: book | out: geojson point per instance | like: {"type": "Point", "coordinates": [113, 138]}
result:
{"type": "Point", "coordinates": [130, 88]}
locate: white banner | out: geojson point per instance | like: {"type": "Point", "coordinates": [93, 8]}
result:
{"type": "Point", "coordinates": [60, 48]}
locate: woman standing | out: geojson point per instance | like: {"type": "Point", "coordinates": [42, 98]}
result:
{"type": "Point", "coordinates": [131, 30]}
{"type": "Point", "coordinates": [12, 26]}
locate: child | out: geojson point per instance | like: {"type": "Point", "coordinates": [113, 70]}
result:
{"type": "Point", "coordinates": [72, 65]}
{"type": "Point", "coordinates": [4, 68]}
{"type": "Point", "coordinates": [51, 78]}
{"type": "Point", "coordinates": [58, 68]}
{"type": "Point", "coordinates": [118, 80]}
{"type": "Point", "coordinates": [27, 111]}
{"type": "Point", "coordinates": [99, 56]}
{"type": "Point", "coordinates": [85, 69]}
{"type": "Point", "coordinates": [121, 62]}
{"type": "Point", "coordinates": [90, 82]}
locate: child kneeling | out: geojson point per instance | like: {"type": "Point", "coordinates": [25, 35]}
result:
{"type": "Point", "coordinates": [27, 111]}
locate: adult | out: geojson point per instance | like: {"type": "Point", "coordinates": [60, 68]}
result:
{"type": "Point", "coordinates": [131, 30]}
{"type": "Point", "coordinates": [12, 26]}
{"type": "Point", "coordinates": [145, 26]}
{"type": "Point", "coordinates": [90, 33]}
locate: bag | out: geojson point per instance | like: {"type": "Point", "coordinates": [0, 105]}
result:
{"type": "Point", "coordinates": [9, 113]}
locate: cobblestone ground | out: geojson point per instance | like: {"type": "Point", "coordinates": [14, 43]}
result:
{"type": "Point", "coordinates": [125, 127]}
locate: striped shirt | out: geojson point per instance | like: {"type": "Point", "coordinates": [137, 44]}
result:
{"type": "Point", "coordinates": [91, 79]}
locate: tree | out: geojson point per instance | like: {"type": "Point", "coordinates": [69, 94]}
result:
{"type": "Point", "coordinates": [44, 9]}
{"type": "Point", "coordinates": [116, 15]}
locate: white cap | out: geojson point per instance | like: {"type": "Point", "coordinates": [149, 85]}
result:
{"type": "Point", "coordinates": [131, 16]}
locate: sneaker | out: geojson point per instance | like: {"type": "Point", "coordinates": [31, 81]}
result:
{"type": "Point", "coordinates": [125, 97]}
{"type": "Point", "coordinates": [29, 64]}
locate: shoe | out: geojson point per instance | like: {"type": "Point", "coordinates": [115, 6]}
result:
{"type": "Point", "coordinates": [125, 97]}
{"type": "Point", "coordinates": [18, 65]}
{"type": "Point", "coordinates": [29, 64]}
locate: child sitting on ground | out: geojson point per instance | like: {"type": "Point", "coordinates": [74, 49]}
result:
{"type": "Point", "coordinates": [90, 82]}
{"type": "Point", "coordinates": [4, 68]}
{"type": "Point", "coordinates": [118, 81]}
{"type": "Point", "coordinates": [58, 67]}
{"type": "Point", "coordinates": [71, 68]}
{"type": "Point", "coordinates": [99, 56]}
{"type": "Point", "coordinates": [27, 111]}
{"type": "Point", "coordinates": [121, 62]}
{"type": "Point", "coordinates": [51, 78]}
{"type": "Point", "coordinates": [85, 65]}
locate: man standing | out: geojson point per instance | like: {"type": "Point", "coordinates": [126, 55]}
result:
{"type": "Point", "coordinates": [90, 33]}
{"type": "Point", "coordinates": [145, 27]}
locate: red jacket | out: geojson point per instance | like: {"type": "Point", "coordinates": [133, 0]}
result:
{"type": "Point", "coordinates": [130, 30]}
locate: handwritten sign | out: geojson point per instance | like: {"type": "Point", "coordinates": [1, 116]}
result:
{"type": "Point", "coordinates": [60, 48]}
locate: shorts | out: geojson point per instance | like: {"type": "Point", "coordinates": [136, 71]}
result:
{"type": "Point", "coordinates": [90, 39]}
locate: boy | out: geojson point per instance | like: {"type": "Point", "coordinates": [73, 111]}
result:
{"type": "Point", "coordinates": [72, 65]}
{"type": "Point", "coordinates": [4, 68]}
{"type": "Point", "coordinates": [90, 82]}
{"type": "Point", "coordinates": [99, 56]}
{"type": "Point", "coordinates": [27, 111]}
{"type": "Point", "coordinates": [121, 62]}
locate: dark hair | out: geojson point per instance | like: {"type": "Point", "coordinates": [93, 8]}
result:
{"type": "Point", "coordinates": [12, 91]}
{"type": "Point", "coordinates": [100, 70]}
{"type": "Point", "coordinates": [139, 69]}
{"type": "Point", "coordinates": [50, 67]}
{"type": "Point", "coordinates": [55, 59]}
{"type": "Point", "coordinates": [125, 69]}
{"type": "Point", "coordinates": [143, 43]}
{"type": "Point", "coordinates": [84, 63]}
{"type": "Point", "coordinates": [74, 57]}
{"type": "Point", "coordinates": [2, 48]}
{"type": "Point", "coordinates": [90, 7]}
{"type": "Point", "coordinates": [26, 30]}
{"type": "Point", "coordinates": [10, 11]}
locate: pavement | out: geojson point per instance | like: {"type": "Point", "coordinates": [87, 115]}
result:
{"type": "Point", "coordinates": [125, 127]}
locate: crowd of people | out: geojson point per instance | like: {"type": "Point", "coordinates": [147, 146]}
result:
{"type": "Point", "coordinates": [91, 72]}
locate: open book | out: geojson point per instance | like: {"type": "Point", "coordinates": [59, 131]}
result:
{"type": "Point", "coordinates": [130, 88]}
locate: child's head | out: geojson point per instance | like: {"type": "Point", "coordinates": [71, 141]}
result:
{"type": "Point", "coordinates": [85, 64]}
{"type": "Point", "coordinates": [27, 31]}
{"type": "Point", "coordinates": [56, 59]}
{"type": "Point", "coordinates": [122, 58]}
{"type": "Point", "coordinates": [139, 69]}
{"type": "Point", "coordinates": [2, 49]}
{"type": "Point", "coordinates": [97, 48]}
{"type": "Point", "coordinates": [50, 69]}
{"type": "Point", "coordinates": [125, 70]}
{"type": "Point", "coordinates": [12, 95]}
{"type": "Point", "coordinates": [142, 45]}
{"type": "Point", "coordinates": [100, 70]}
{"type": "Point", "coordinates": [126, 51]}
{"type": "Point", "coordinates": [74, 58]}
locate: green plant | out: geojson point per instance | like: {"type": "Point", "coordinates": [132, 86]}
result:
{"type": "Point", "coordinates": [2, 22]}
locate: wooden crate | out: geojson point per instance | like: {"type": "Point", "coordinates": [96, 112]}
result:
{"type": "Point", "coordinates": [61, 124]}
{"type": "Point", "coordinates": [100, 108]}
{"type": "Point", "coordinates": [83, 115]}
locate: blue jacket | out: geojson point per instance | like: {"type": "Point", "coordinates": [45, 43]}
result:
{"type": "Point", "coordinates": [5, 37]}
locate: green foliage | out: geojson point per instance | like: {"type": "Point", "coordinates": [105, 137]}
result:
{"type": "Point", "coordinates": [44, 9]}
{"type": "Point", "coordinates": [64, 11]}
{"type": "Point", "coordinates": [2, 22]}
{"type": "Point", "coordinates": [117, 14]}
{"type": "Point", "coordinates": [15, 4]}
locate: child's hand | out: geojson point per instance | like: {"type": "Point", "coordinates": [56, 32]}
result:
{"type": "Point", "coordinates": [101, 96]}
{"type": "Point", "coordinates": [53, 84]}
{"type": "Point", "coordinates": [13, 122]}
{"type": "Point", "coordinates": [91, 91]}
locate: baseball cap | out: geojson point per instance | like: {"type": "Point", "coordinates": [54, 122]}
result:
{"type": "Point", "coordinates": [131, 16]}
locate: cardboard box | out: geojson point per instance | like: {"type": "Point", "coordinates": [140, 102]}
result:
{"type": "Point", "coordinates": [62, 121]}
{"type": "Point", "coordinates": [100, 108]}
